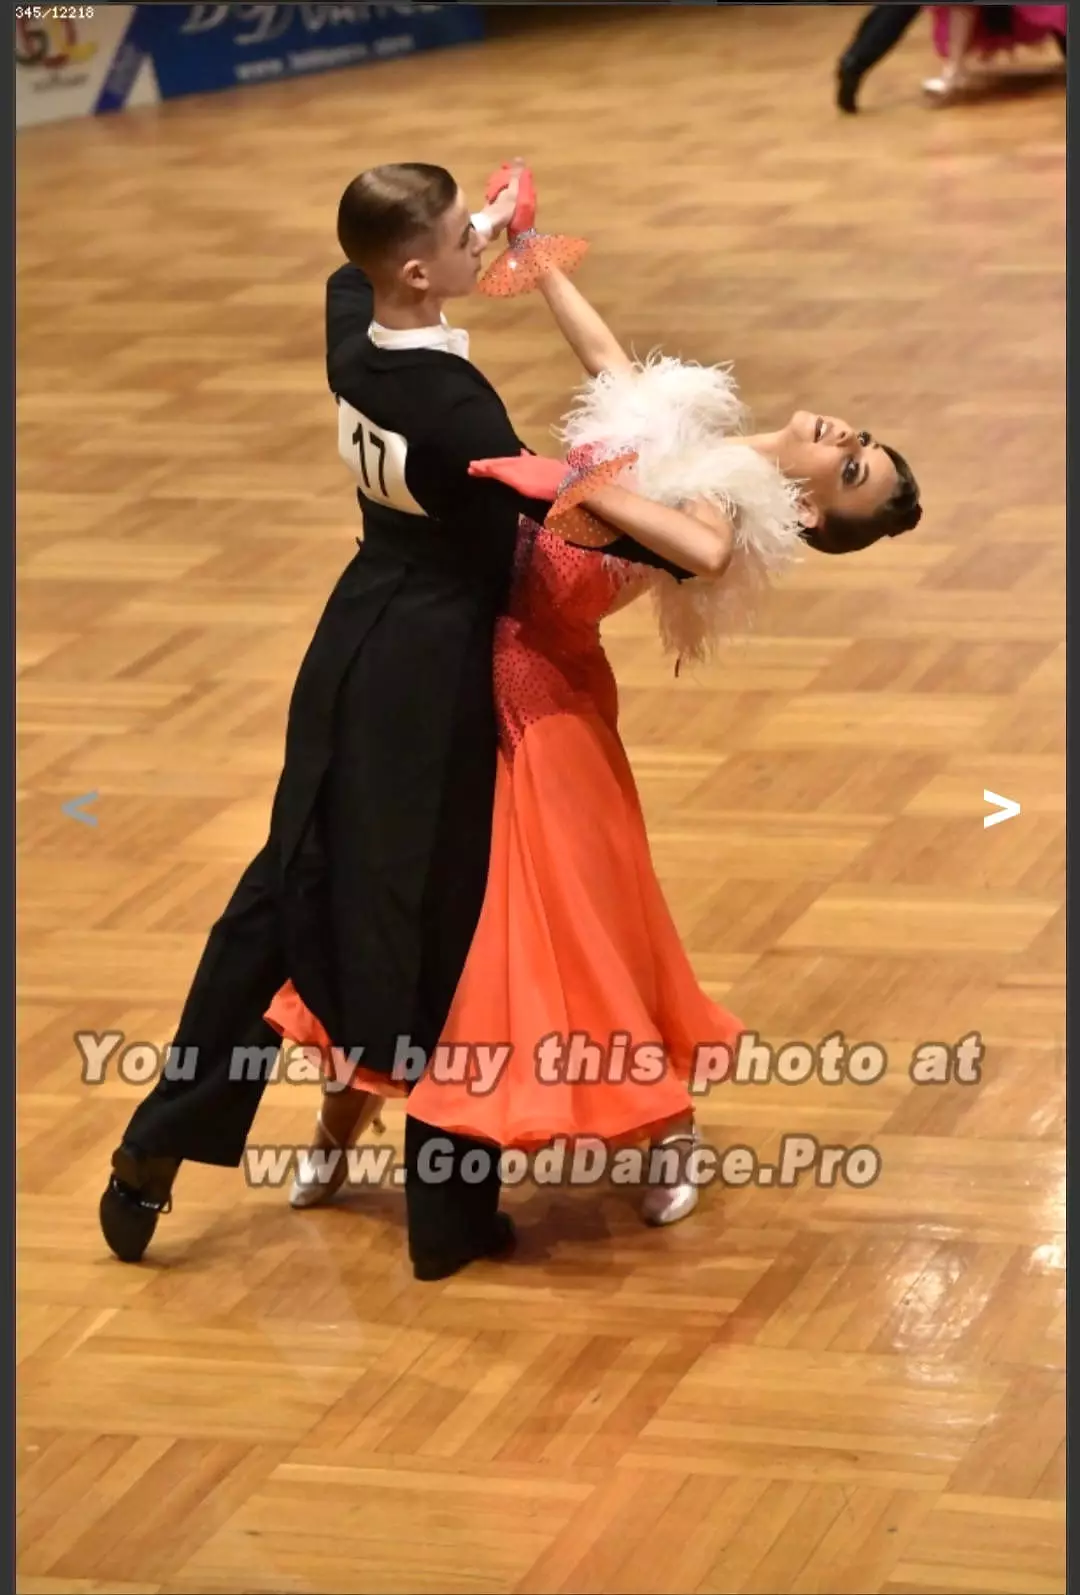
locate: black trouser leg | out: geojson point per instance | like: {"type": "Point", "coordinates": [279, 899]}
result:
{"type": "Point", "coordinates": [204, 1112]}
{"type": "Point", "coordinates": [200, 1109]}
{"type": "Point", "coordinates": [879, 32]}
{"type": "Point", "coordinates": [447, 1220]}
{"type": "Point", "coordinates": [405, 896]}
{"type": "Point", "coordinates": [452, 1190]}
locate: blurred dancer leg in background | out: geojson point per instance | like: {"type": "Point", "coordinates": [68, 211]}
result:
{"type": "Point", "coordinates": [879, 32]}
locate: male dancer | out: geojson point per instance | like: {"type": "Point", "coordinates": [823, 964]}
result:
{"type": "Point", "coordinates": [371, 881]}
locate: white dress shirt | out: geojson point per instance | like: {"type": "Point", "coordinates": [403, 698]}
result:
{"type": "Point", "coordinates": [454, 340]}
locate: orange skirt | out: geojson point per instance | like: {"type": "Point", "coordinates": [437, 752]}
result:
{"type": "Point", "coordinates": [578, 1014]}
{"type": "Point", "coordinates": [295, 1023]}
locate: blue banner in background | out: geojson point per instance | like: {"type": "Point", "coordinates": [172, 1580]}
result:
{"type": "Point", "coordinates": [198, 48]}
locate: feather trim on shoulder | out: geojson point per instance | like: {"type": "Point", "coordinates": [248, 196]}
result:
{"type": "Point", "coordinates": [663, 402]}
{"type": "Point", "coordinates": [696, 616]}
{"type": "Point", "coordinates": [682, 421]}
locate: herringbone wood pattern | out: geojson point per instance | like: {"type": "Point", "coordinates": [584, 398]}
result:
{"type": "Point", "coordinates": [801, 1389]}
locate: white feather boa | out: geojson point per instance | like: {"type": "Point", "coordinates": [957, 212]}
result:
{"type": "Point", "coordinates": [683, 422]}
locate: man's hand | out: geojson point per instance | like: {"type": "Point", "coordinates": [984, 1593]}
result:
{"type": "Point", "coordinates": [530, 474]}
{"type": "Point", "coordinates": [503, 203]}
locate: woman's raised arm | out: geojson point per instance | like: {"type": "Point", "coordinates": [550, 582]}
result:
{"type": "Point", "coordinates": [591, 339]}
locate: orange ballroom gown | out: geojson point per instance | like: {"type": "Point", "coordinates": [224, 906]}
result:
{"type": "Point", "coordinates": [575, 939]}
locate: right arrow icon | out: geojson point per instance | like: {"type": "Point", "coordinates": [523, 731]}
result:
{"type": "Point", "coordinates": [1006, 805]}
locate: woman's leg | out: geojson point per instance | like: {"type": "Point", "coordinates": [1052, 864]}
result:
{"type": "Point", "coordinates": [961, 34]}
{"type": "Point", "coordinates": [963, 21]}
{"type": "Point", "coordinates": [672, 1193]}
{"type": "Point", "coordinates": [343, 1117]}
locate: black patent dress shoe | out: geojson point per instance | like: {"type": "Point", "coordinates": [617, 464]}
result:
{"type": "Point", "coordinates": [138, 1193]}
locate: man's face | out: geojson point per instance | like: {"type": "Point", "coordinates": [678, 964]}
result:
{"type": "Point", "coordinates": [447, 264]}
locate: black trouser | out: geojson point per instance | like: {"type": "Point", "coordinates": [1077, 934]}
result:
{"type": "Point", "coordinates": [370, 913]}
{"type": "Point", "coordinates": [208, 1118]}
{"type": "Point", "coordinates": [879, 32]}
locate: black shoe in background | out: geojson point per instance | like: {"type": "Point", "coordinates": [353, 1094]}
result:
{"type": "Point", "coordinates": [847, 88]}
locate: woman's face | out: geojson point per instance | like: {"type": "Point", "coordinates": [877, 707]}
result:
{"type": "Point", "coordinates": [842, 472]}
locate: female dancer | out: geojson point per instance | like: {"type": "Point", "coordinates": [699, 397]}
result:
{"type": "Point", "coordinates": [966, 34]}
{"type": "Point", "coordinates": [575, 937]}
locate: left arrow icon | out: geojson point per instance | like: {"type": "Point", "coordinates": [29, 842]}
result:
{"type": "Point", "coordinates": [74, 808]}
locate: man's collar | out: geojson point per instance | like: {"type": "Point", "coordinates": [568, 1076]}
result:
{"type": "Point", "coordinates": [451, 340]}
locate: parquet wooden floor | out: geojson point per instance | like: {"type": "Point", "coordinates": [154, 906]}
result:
{"type": "Point", "coordinates": [801, 1389]}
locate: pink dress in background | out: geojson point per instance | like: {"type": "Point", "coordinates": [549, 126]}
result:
{"type": "Point", "coordinates": [1030, 25]}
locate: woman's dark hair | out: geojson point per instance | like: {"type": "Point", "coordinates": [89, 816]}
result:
{"type": "Point", "coordinates": [846, 534]}
{"type": "Point", "coordinates": [390, 207]}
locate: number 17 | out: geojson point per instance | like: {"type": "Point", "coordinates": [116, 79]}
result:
{"type": "Point", "coordinates": [377, 444]}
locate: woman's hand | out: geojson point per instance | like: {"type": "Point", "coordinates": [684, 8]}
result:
{"type": "Point", "coordinates": [504, 201]}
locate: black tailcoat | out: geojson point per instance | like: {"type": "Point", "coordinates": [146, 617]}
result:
{"type": "Point", "coordinates": [371, 882]}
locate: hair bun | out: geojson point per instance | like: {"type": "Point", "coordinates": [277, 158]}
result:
{"type": "Point", "coordinates": [910, 521]}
